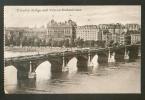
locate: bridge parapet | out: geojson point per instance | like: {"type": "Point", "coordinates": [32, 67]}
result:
{"type": "Point", "coordinates": [66, 54]}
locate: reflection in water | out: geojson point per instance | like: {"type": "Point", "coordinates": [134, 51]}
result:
{"type": "Point", "coordinates": [26, 83]}
{"type": "Point", "coordinates": [111, 57]}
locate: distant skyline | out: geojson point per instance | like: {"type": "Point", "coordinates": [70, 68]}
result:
{"type": "Point", "coordinates": [31, 16]}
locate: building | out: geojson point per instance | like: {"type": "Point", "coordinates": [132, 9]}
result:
{"type": "Point", "coordinates": [112, 32]}
{"type": "Point", "coordinates": [87, 32]}
{"type": "Point", "coordinates": [61, 30]}
{"type": "Point", "coordinates": [135, 38]}
{"type": "Point", "coordinates": [120, 32]}
{"type": "Point", "coordinates": [107, 32]}
{"type": "Point", "coordinates": [57, 32]}
{"type": "Point", "coordinates": [132, 27]}
{"type": "Point", "coordinates": [122, 38]}
{"type": "Point", "coordinates": [134, 32]}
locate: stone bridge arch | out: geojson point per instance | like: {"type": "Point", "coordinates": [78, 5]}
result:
{"type": "Point", "coordinates": [21, 66]}
{"type": "Point", "coordinates": [55, 61]}
{"type": "Point", "coordinates": [82, 60]}
{"type": "Point", "coordinates": [102, 57]}
{"type": "Point", "coordinates": [132, 52]}
{"type": "Point", "coordinates": [71, 65]}
{"type": "Point", "coordinates": [43, 71]}
{"type": "Point", "coordinates": [91, 58]}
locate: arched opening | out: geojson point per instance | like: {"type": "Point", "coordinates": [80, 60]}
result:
{"type": "Point", "coordinates": [43, 71]}
{"type": "Point", "coordinates": [72, 65]}
{"type": "Point", "coordinates": [10, 78]}
{"type": "Point", "coordinates": [111, 61]}
{"type": "Point", "coordinates": [126, 55]}
{"type": "Point", "coordinates": [112, 58]}
{"type": "Point", "coordinates": [93, 63]}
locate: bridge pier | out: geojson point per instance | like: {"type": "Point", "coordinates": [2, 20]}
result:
{"type": "Point", "coordinates": [82, 62]}
{"type": "Point", "coordinates": [119, 54]}
{"type": "Point", "coordinates": [26, 69]}
{"type": "Point", "coordinates": [103, 57]}
{"type": "Point", "coordinates": [91, 55]}
{"type": "Point", "coordinates": [65, 60]}
{"type": "Point", "coordinates": [89, 59]}
{"type": "Point", "coordinates": [63, 65]}
{"type": "Point", "coordinates": [111, 56]}
{"type": "Point", "coordinates": [23, 70]}
{"type": "Point", "coordinates": [56, 64]}
{"type": "Point", "coordinates": [133, 52]}
{"type": "Point", "coordinates": [32, 74]}
{"type": "Point", "coordinates": [126, 56]}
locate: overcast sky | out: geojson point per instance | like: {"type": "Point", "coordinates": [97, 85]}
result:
{"type": "Point", "coordinates": [30, 16]}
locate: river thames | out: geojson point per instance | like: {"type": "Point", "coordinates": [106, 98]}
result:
{"type": "Point", "coordinates": [117, 77]}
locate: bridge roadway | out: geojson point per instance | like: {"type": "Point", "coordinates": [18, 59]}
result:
{"type": "Point", "coordinates": [66, 52]}
{"type": "Point", "coordinates": [59, 60]}
{"type": "Point", "coordinates": [59, 53]}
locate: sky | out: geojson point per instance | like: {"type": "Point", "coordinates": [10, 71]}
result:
{"type": "Point", "coordinates": [37, 16]}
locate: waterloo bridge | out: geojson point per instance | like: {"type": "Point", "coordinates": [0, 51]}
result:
{"type": "Point", "coordinates": [27, 65]}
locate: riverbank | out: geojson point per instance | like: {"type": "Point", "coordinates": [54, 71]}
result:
{"type": "Point", "coordinates": [37, 49]}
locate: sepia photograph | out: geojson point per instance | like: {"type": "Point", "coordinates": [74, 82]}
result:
{"type": "Point", "coordinates": [72, 49]}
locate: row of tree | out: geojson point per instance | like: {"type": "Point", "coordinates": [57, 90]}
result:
{"type": "Point", "coordinates": [35, 41]}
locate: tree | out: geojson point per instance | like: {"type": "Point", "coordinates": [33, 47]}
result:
{"type": "Point", "coordinates": [101, 43]}
{"type": "Point", "coordinates": [111, 43]}
{"type": "Point", "coordinates": [50, 42]}
{"type": "Point", "coordinates": [77, 41]}
{"type": "Point", "coordinates": [92, 43]}
{"type": "Point", "coordinates": [60, 43]}
{"type": "Point", "coordinates": [66, 43]}
{"type": "Point", "coordinates": [116, 44]}
{"type": "Point", "coordinates": [24, 41]}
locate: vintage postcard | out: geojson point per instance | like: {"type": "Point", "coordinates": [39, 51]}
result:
{"type": "Point", "coordinates": [72, 49]}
